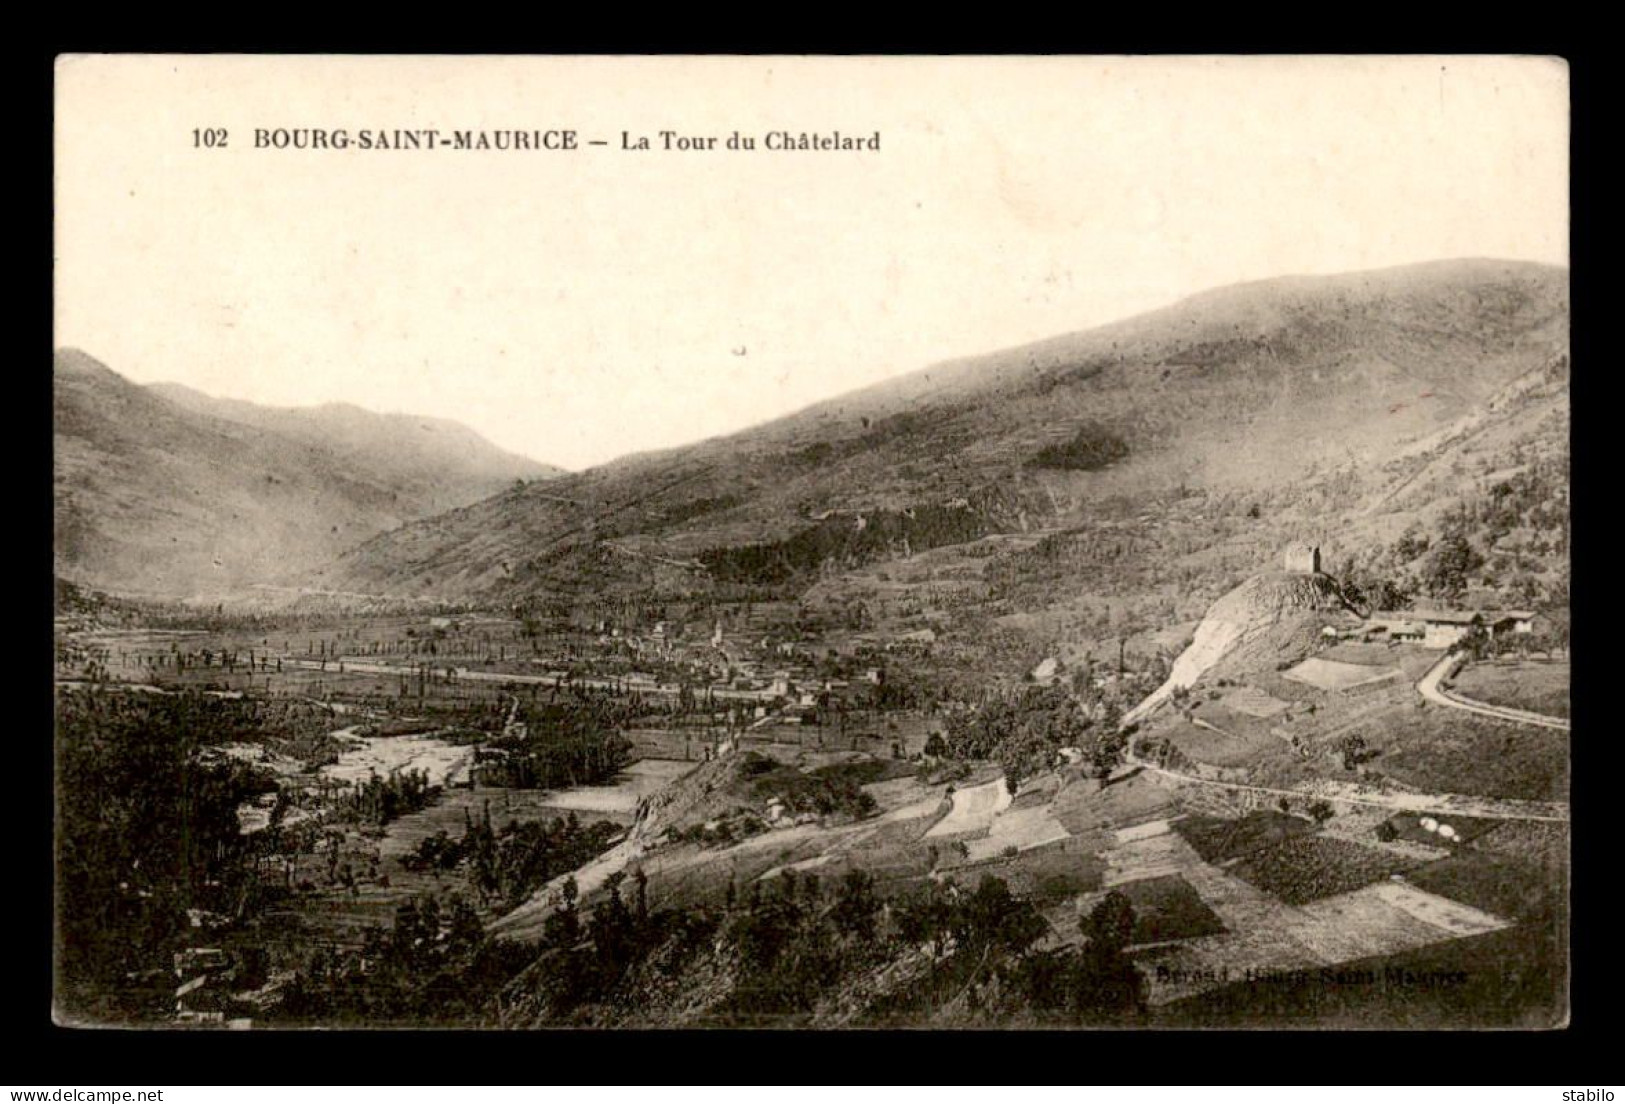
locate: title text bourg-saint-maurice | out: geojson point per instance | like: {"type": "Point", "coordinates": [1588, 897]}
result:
{"type": "Point", "coordinates": [319, 138]}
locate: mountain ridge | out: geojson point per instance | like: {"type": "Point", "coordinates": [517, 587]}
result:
{"type": "Point", "coordinates": [1235, 390]}
{"type": "Point", "coordinates": [167, 491]}
{"type": "Point", "coordinates": [330, 418]}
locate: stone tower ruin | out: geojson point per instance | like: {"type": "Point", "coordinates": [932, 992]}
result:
{"type": "Point", "coordinates": [1303, 558]}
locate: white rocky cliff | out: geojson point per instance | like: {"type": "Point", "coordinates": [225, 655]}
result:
{"type": "Point", "coordinates": [1252, 611]}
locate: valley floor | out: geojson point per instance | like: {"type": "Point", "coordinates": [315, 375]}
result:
{"type": "Point", "coordinates": [1265, 876]}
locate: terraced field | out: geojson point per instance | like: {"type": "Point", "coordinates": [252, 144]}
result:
{"type": "Point", "coordinates": [1328, 674]}
{"type": "Point", "coordinates": [1308, 868]}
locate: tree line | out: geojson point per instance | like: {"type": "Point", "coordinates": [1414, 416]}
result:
{"type": "Point", "coordinates": [846, 539]}
{"type": "Point", "coordinates": [506, 866]}
{"type": "Point", "coordinates": [1024, 732]}
{"type": "Point", "coordinates": [147, 829]}
{"type": "Point", "coordinates": [574, 740]}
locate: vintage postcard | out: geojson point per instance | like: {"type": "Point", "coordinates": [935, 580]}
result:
{"type": "Point", "coordinates": [817, 542]}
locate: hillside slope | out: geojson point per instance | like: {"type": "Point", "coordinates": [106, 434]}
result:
{"type": "Point", "coordinates": [1235, 392]}
{"type": "Point", "coordinates": [438, 462]}
{"type": "Point", "coordinates": [164, 491]}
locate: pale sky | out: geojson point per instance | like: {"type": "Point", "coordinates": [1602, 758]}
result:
{"type": "Point", "coordinates": [576, 306]}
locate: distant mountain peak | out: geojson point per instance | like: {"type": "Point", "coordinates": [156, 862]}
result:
{"type": "Point", "coordinates": [70, 362]}
{"type": "Point", "coordinates": [165, 489]}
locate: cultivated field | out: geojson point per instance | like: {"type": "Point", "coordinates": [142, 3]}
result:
{"type": "Point", "coordinates": [1329, 674]}
{"type": "Point", "coordinates": [974, 808]}
{"type": "Point", "coordinates": [1082, 808]}
{"type": "Point", "coordinates": [1443, 750]}
{"type": "Point", "coordinates": [1221, 841]}
{"type": "Point", "coordinates": [1539, 686]}
{"type": "Point", "coordinates": [1224, 740]}
{"type": "Point", "coordinates": [1308, 868]}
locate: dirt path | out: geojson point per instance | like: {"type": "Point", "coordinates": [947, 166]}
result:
{"type": "Point", "coordinates": [146, 688]}
{"type": "Point", "coordinates": [1430, 689]}
{"type": "Point", "coordinates": [1468, 805]}
{"type": "Point", "coordinates": [1492, 808]}
{"type": "Point", "coordinates": [365, 667]}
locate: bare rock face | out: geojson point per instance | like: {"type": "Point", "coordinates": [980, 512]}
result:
{"type": "Point", "coordinates": [1246, 614]}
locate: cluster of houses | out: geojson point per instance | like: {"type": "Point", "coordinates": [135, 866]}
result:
{"type": "Point", "coordinates": [1429, 628]}
{"type": "Point", "coordinates": [1441, 628]}
{"type": "Point", "coordinates": [782, 677]}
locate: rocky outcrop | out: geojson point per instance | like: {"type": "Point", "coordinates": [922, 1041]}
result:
{"type": "Point", "coordinates": [1252, 611]}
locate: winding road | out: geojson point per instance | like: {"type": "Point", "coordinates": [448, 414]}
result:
{"type": "Point", "coordinates": [1491, 808]}
{"type": "Point", "coordinates": [1467, 805]}
{"type": "Point", "coordinates": [1429, 687]}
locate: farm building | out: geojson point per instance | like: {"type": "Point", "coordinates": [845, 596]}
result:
{"type": "Point", "coordinates": [1505, 621]}
{"type": "Point", "coordinates": [1446, 627]}
{"type": "Point", "coordinates": [1443, 628]}
{"type": "Point", "coordinates": [1434, 628]}
{"type": "Point", "coordinates": [1400, 625]}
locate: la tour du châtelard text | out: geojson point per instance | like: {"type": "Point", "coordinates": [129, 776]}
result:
{"type": "Point", "coordinates": [321, 138]}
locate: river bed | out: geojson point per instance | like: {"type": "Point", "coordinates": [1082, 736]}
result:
{"type": "Point", "coordinates": [446, 764]}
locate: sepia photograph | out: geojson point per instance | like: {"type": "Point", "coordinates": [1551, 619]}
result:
{"type": "Point", "coordinates": [819, 543]}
